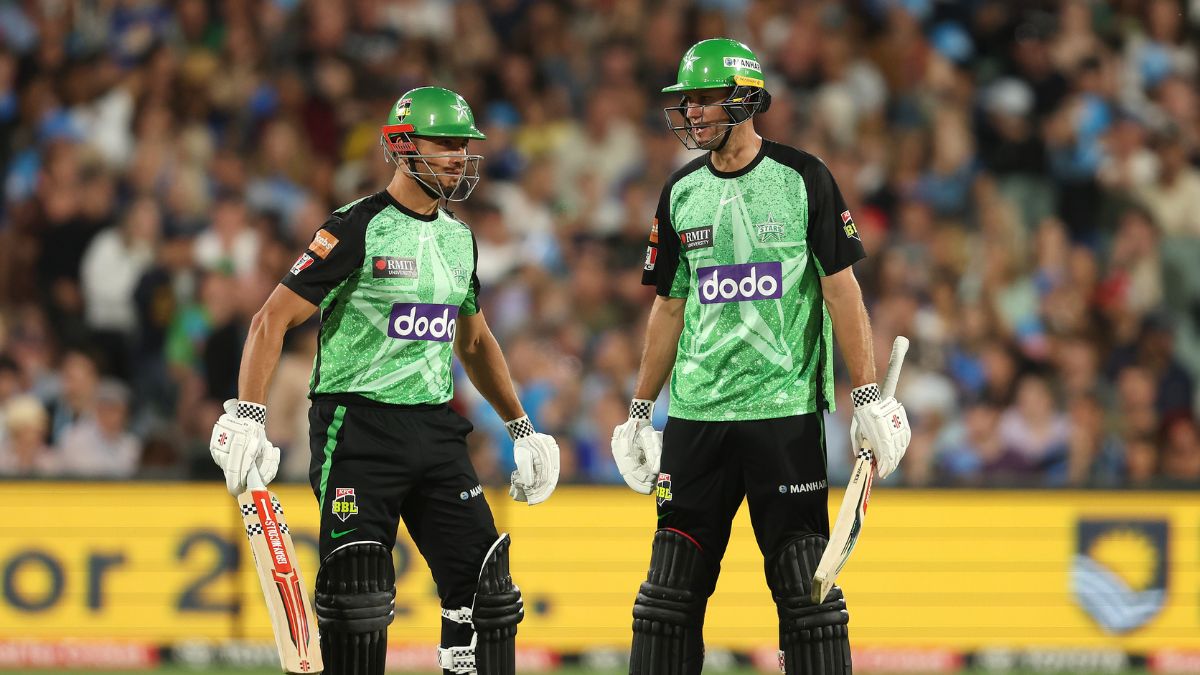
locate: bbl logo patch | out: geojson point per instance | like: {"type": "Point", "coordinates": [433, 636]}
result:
{"type": "Point", "coordinates": [663, 493]}
{"type": "Point", "coordinates": [1119, 575]}
{"type": "Point", "coordinates": [344, 503]}
{"type": "Point", "coordinates": [848, 226]}
{"type": "Point", "coordinates": [302, 263]}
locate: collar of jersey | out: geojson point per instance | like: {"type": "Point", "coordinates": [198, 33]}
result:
{"type": "Point", "coordinates": [762, 152]}
{"type": "Point", "coordinates": [427, 217]}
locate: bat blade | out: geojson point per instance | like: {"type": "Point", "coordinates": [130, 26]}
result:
{"type": "Point", "coordinates": [853, 511]}
{"type": "Point", "coordinates": [292, 618]}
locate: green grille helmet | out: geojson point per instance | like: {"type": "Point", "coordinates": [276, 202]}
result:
{"type": "Point", "coordinates": [432, 112]}
{"type": "Point", "coordinates": [718, 63]}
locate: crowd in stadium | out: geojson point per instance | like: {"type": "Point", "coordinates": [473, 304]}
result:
{"type": "Point", "coordinates": [1023, 174]}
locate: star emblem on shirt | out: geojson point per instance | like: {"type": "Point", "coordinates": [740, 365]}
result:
{"type": "Point", "coordinates": [462, 110]}
{"type": "Point", "coordinates": [460, 274]}
{"type": "Point", "coordinates": [688, 60]}
{"type": "Point", "coordinates": [770, 231]}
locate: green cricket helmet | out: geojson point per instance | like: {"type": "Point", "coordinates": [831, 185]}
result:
{"type": "Point", "coordinates": [432, 112]}
{"type": "Point", "coordinates": [718, 63]}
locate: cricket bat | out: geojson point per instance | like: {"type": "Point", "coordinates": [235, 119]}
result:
{"type": "Point", "coordinates": [858, 495]}
{"type": "Point", "coordinates": [292, 617]}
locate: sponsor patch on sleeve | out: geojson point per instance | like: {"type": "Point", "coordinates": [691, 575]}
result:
{"type": "Point", "coordinates": [302, 263]}
{"type": "Point", "coordinates": [651, 257]}
{"type": "Point", "coordinates": [654, 232]}
{"type": "Point", "coordinates": [322, 243]}
{"type": "Point", "coordinates": [848, 226]}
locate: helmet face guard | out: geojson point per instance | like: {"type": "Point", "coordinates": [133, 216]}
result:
{"type": "Point", "coordinates": [400, 148]}
{"type": "Point", "coordinates": [742, 103]}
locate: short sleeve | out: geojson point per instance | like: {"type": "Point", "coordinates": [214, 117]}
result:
{"type": "Point", "coordinates": [833, 239]}
{"type": "Point", "coordinates": [662, 252]}
{"type": "Point", "coordinates": [470, 304]}
{"type": "Point", "coordinates": [335, 253]}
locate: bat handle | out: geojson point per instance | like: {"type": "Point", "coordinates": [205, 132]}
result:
{"type": "Point", "coordinates": [899, 349]}
{"type": "Point", "coordinates": [254, 480]}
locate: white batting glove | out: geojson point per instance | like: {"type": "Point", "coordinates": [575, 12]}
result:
{"type": "Point", "coordinates": [239, 440]}
{"type": "Point", "coordinates": [637, 447]}
{"type": "Point", "coordinates": [882, 426]}
{"type": "Point", "coordinates": [536, 456]}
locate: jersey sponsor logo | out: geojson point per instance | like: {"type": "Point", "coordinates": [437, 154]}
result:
{"type": "Point", "coordinates": [322, 243]}
{"type": "Point", "coordinates": [770, 231]}
{"type": "Point", "coordinates": [651, 258]}
{"type": "Point", "coordinates": [848, 226]}
{"type": "Point", "coordinates": [663, 490]}
{"type": "Point", "coordinates": [473, 492]}
{"type": "Point", "coordinates": [388, 267]}
{"type": "Point", "coordinates": [654, 232]}
{"type": "Point", "coordinates": [302, 263]}
{"type": "Point", "coordinates": [799, 488]}
{"type": "Point", "coordinates": [738, 283]}
{"type": "Point", "coordinates": [700, 237]}
{"type": "Point", "coordinates": [411, 321]}
{"type": "Point", "coordinates": [739, 62]}
{"type": "Point", "coordinates": [344, 503]}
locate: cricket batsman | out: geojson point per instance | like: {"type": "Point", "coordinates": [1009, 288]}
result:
{"type": "Point", "coordinates": [394, 277]}
{"type": "Point", "coordinates": [750, 253]}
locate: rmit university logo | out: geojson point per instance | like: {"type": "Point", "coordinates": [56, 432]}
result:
{"type": "Point", "coordinates": [388, 267]}
{"type": "Point", "coordinates": [736, 283]}
{"type": "Point", "coordinates": [344, 503]}
{"type": "Point", "coordinates": [1119, 575]}
{"type": "Point", "coordinates": [411, 321]}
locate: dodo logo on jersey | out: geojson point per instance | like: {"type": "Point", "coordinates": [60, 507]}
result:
{"type": "Point", "coordinates": [700, 237]}
{"type": "Point", "coordinates": [737, 283]}
{"type": "Point", "coordinates": [387, 267]}
{"type": "Point", "coordinates": [663, 491]}
{"type": "Point", "coordinates": [344, 503]}
{"type": "Point", "coordinates": [1119, 575]}
{"type": "Point", "coordinates": [411, 321]}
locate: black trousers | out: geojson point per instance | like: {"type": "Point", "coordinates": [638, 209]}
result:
{"type": "Point", "coordinates": [374, 466]}
{"type": "Point", "coordinates": [778, 465]}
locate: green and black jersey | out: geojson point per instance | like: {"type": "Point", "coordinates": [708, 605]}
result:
{"type": "Point", "coordinates": [747, 250]}
{"type": "Point", "coordinates": [391, 284]}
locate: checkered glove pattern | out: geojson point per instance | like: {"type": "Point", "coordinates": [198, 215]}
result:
{"type": "Point", "coordinates": [252, 411]}
{"type": "Point", "coordinates": [519, 428]}
{"type": "Point", "coordinates": [868, 393]}
{"type": "Point", "coordinates": [640, 409]}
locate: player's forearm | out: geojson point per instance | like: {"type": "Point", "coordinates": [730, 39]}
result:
{"type": "Point", "coordinates": [488, 371]}
{"type": "Point", "coordinates": [264, 343]}
{"type": "Point", "coordinates": [852, 329]}
{"type": "Point", "coordinates": [662, 343]}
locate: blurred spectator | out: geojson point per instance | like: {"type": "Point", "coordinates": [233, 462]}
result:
{"type": "Point", "coordinates": [100, 446]}
{"type": "Point", "coordinates": [23, 449]}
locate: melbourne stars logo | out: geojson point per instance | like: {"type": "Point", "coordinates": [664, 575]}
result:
{"type": "Point", "coordinates": [462, 110]}
{"type": "Point", "coordinates": [770, 231]}
{"type": "Point", "coordinates": [688, 60]}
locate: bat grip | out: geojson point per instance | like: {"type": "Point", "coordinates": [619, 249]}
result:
{"type": "Point", "coordinates": [254, 480]}
{"type": "Point", "coordinates": [899, 349]}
